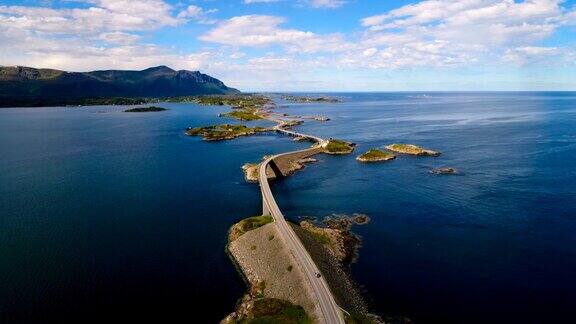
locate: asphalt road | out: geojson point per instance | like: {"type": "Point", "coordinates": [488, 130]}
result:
{"type": "Point", "coordinates": [330, 311]}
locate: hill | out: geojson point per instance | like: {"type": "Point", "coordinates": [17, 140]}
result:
{"type": "Point", "coordinates": [26, 86]}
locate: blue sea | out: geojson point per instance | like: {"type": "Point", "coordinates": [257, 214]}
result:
{"type": "Point", "coordinates": [111, 216]}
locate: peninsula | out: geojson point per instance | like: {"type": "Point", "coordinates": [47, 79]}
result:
{"type": "Point", "coordinates": [22, 86]}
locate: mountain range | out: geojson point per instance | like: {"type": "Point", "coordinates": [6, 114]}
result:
{"type": "Point", "coordinates": [26, 86]}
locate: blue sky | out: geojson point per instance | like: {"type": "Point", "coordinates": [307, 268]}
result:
{"type": "Point", "coordinates": [306, 45]}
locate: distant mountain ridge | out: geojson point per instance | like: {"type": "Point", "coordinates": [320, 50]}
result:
{"type": "Point", "coordinates": [31, 86]}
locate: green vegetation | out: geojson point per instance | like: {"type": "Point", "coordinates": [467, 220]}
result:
{"type": "Point", "coordinates": [270, 237]}
{"type": "Point", "coordinates": [242, 115]}
{"type": "Point", "coordinates": [119, 101]}
{"type": "Point", "coordinates": [223, 132]}
{"type": "Point", "coordinates": [321, 237]}
{"type": "Point", "coordinates": [146, 109]}
{"type": "Point", "coordinates": [374, 155]}
{"type": "Point", "coordinates": [405, 147]}
{"type": "Point", "coordinates": [40, 101]}
{"type": "Point", "coordinates": [248, 224]}
{"type": "Point", "coordinates": [412, 150]}
{"type": "Point", "coordinates": [289, 268]}
{"type": "Point", "coordinates": [236, 101]}
{"type": "Point", "coordinates": [253, 247]}
{"type": "Point", "coordinates": [338, 147]}
{"type": "Point", "coordinates": [276, 311]}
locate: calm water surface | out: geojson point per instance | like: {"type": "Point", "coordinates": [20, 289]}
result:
{"type": "Point", "coordinates": [105, 214]}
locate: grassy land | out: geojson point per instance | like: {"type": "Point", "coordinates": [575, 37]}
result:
{"type": "Point", "coordinates": [406, 147]}
{"type": "Point", "coordinates": [223, 132]}
{"type": "Point", "coordinates": [243, 115]}
{"type": "Point", "coordinates": [338, 147]}
{"type": "Point", "coordinates": [276, 311]}
{"type": "Point", "coordinates": [376, 155]}
{"type": "Point", "coordinates": [321, 237]}
{"type": "Point", "coordinates": [249, 224]}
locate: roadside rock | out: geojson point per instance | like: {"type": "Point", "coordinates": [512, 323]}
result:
{"type": "Point", "coordinates": [250, 172]}
{"type": "Point", "coordinates": [337, 238]}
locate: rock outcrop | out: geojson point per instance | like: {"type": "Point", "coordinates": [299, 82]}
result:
{"type": "Point", "coordinates": [412, 150]}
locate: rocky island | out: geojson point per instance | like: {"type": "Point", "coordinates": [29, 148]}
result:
{"type": "Point", "coordinates": [146, 109]}
{"type": "Point", "coordinates": [444, 171]}
{"type": "Point", "coordinates": [411, 150]}
{"type": "Point", "coordinates": [316, 118]}
{"type": "Point", "coordinates": [250, 172]}
{"type": "Point", "coordinates": [242, 115]}
{"type": "Point", "coordinates": [223, 132]}
{"type": "Point", "coordinates": [303, 99]}
{"type": "Point", "coordinates": [337, 147]}
{"type": "Point", "coordinates": [236, 101]}
{"type": "Point", "coordinates": [375, 155]}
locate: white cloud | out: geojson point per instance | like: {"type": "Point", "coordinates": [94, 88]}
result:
{"type": "Point", "coordinates": [105, 34]}
{"type": "Point", "coordinates": [198, 14]}
{"type": "Point", "coordinates": [460, 32]}
{"type": "Point", "coordinates": [259, 31]}
{"type": "Point", "coordinates": [107, 16]}
{"type": "Point", "coordinates": [119, 38]}
{"type": "Point", "coordinates": [327, 3]}
{"type": "Point", "coordinates": [312, 3]}
{"type": "Point", "coordinates": [260, 1]}
{"type": "Point", "coordinates": [534, 54]}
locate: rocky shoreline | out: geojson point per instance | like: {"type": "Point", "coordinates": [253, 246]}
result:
{"type": "Point", "coordinates": [272, 278]}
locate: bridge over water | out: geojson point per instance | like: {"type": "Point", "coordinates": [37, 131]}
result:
{"type": "Point", "coordinates": [330, 310]}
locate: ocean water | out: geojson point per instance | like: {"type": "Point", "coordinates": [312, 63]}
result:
{"type": "Point", "coordinates": [106, 215]}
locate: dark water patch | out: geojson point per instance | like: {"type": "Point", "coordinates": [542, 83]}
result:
{"type": "Point", "coordinates": [104, 213]}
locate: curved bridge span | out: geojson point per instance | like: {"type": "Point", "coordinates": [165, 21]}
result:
{"type": "Point", "coordinates": [330, 310]}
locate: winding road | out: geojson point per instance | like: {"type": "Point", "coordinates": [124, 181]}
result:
{"type": "Point", "coordinates": [330, 310]}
